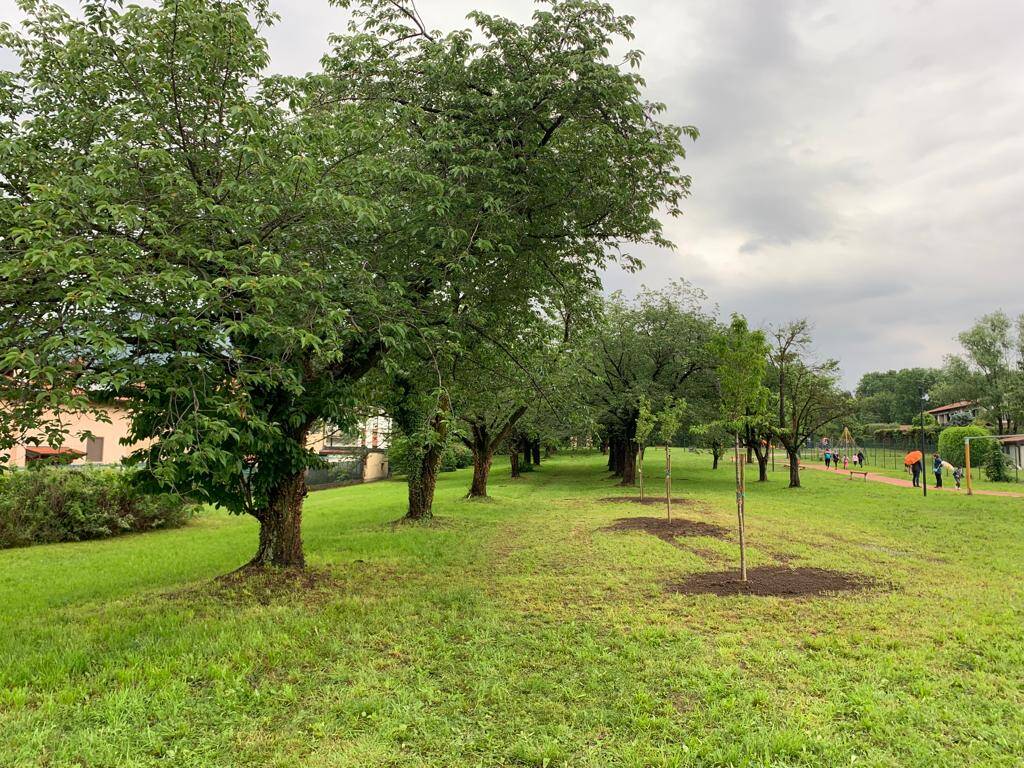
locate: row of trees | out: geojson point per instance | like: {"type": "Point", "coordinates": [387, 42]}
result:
{"type": "Point", "coordinates": [418, 227]}
{"type": "Point", "coordinates": [236, 256]}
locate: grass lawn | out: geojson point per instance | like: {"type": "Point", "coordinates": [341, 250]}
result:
{"type": "Point", "coordinates": [517, 633]}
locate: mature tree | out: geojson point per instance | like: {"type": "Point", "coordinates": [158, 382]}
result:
{"type": "Point", "coordinates": [713, 435]}
{"type": "Point", "coordinates": [193, 236]}
{"type": "Point", "coordinates": [957, 382]}
{"type": "Point", "coordinates": [550, 156]}
{"type": "Point", "coordinates": [995, 349]}
{"type": "Point", "coordinates": [893, 396]}
{"type": "Point", "coordinates": [230, 253]}
{"type": "Point", "coordinates": [657, 346]}
{"type": "Point", "coordinates": [805, 392]}
{"type": "Point", "coordinates": [494, 387]}
{"type": "Point", "coordinates": [741, 363]}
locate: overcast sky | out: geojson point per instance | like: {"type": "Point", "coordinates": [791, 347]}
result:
{"type": "Point", "coordinates": [860, 163]}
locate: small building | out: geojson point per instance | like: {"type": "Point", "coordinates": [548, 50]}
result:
{"type": "Point", "coordinates": [944, 414]}
{"type": "Point", "coordinates": [1013, 447]}
{"type": "Point", "coordinates": [367, 444]}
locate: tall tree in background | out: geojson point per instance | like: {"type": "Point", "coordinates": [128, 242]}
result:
{"type": "Point", "coordinates": [894, 397]}
{"type": "Point", "coordinates": [805, 392]}
{"type": "Point", "coordinates": [994, 348]}
{"type": "Point", "coordinates": [656, 345]}
{"type": "Point", "coordinates": [741, 356]}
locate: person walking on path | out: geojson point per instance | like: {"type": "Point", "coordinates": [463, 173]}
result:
{"type": "Point", "coordinates": [846, 462]}
{"type": "Point", "coordinates": [828, 458]}
{"type": "Point", "coordinates": [860, 459]}
{"type": "Point", "coordinates": [916, 469]}
{"type": "Point", "coordinates": [937, 469]}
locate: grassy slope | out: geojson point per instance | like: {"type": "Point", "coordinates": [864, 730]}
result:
{"type": "Point", "coordinates": [516, 633]}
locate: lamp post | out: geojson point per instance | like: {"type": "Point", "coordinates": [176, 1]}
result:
{"type": "Point", "coordinates": [924, 473]}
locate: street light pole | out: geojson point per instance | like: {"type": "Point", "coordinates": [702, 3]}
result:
{"type": "Point", "coordinates": [924, 472]}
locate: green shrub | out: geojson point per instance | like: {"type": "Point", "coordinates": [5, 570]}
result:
{"type": "Point", "coordinates": [400, 456]}
{"type": "Point", "coordinates": [51, 504]}
{"type": "Point", "coordinates": [456, 456]}
{"type": "Point", "coordinates": [951, 445]}
{"type": "Point", "coordinates": [997, 467]}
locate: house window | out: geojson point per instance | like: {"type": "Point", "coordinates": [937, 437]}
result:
{"type": "Point", "coordinates": [94, 449]}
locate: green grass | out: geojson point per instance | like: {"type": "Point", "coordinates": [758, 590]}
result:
{"type": "Point", "coordinates": [516, 633]}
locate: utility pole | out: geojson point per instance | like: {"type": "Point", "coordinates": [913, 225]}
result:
{"type": "Point", "coordinates": [924, 472]}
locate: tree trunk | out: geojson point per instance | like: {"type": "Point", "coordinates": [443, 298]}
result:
{"type": "Point", "coordinates": [715, 456]}
{"type": "Point", "coordinates": [761, 452]}
{"type": "Point", "coordinates": [281, 526]}
{"type": "Point", "coordinates": [482, 459]}
{"type": "Point", "coordinates": [535, 450]}
{"type": "Point", "coordinates": [604, 445]}
{"type": "Point", "coordinates": [525, 447]}
{"type": "Point", "coordinates": [422, 482]}
{"type": "Point", "coordinates": [629, 463]}
{"type": "Point", "coordinates": [513, 460]}
{"type": "Point", "coordinates": [640, 471]}
{"type": "Point", "coordinates": [668, 481]}
{"type": "Point", "coordinates": [794, 468]}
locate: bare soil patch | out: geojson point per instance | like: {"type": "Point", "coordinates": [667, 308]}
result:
{"type": "Point", "coordinates": [650, 501]}
{"type": "Point", "coordinates": [267, 586]}
{"type": "Point", "coordinates": [771, 581]}
{"type": "Point", "coordinates": [667, 530]}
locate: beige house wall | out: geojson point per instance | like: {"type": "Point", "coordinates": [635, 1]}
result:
{"type": "Point", "coordinates": [113, 452]}
{"type": "Point", "coordinates": [376, 466]}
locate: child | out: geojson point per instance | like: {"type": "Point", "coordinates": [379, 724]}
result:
{"type": "Point", "coordinates": [958, 474]}
{"type": "Point", "coordinates": [846, 463]}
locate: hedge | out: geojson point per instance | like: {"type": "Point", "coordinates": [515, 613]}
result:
{"type": "Point", "coordinates": [53, 504]}
{"type": "Point", "coordinates": [951, 445]}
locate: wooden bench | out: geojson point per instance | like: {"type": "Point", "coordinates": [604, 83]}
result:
{"type": "Point", "coordinates": [862, 473]}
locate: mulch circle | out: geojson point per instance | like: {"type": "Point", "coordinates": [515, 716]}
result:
{"type": "Point", "coordinates": [269, 585]}
{"type": "Point", "coordinates": [647, 502]}
{"type": "Point", "coordinates": [771, 581]}
{"type": "Point", "coordinates": [668, 530]}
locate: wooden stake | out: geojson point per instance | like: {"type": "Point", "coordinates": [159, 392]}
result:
{"type": "Point", "coordinates": [640, 470]}
{"type": "Point", "coordinates": [740, 489]}
{"type": "Point", "coordinates": [668, 481]}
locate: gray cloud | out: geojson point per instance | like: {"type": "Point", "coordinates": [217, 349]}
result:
{"type": "Point", "coordinates": [860, 164]}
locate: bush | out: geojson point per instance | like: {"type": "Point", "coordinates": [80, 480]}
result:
{"type": "Point", "coordinates": [50, 504]}
{"type": "Point", "coordinates": [456, 456]}
{"type": "Point", "coordinates": [951, 445]}
{"type": "Point", "coordinates": [401, 455]}
{"type": "Point", "coordinates": [996, 466]}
